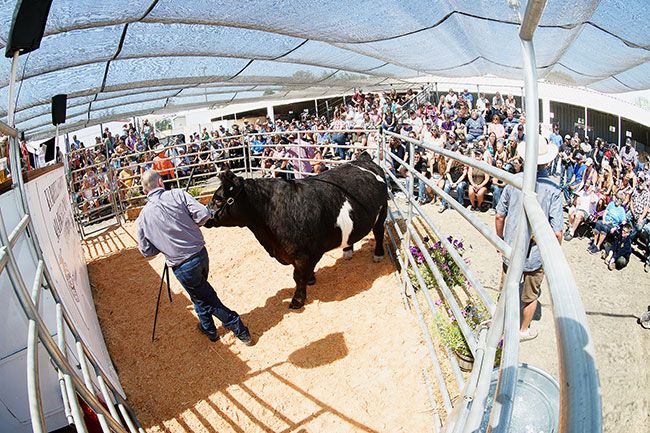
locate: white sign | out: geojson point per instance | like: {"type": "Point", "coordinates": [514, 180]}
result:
{"type": "Point", "coordinates": [628, 134]}
{"type": "Point", "coordinates": [612, 129]}
{"type": "Point", "coordinates": [49, 206]}
{"type": "Point", "coordinates": [551, 115]}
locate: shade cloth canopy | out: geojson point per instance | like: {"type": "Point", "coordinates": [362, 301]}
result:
{"type": "Point", "coordinates": [120, 58]}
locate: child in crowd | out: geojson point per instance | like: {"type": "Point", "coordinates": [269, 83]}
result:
{"type": "Point", "coordinates": [617, 253]}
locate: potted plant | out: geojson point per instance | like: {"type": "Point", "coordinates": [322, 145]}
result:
{"type": "Point", "coordinates": [451, 335]}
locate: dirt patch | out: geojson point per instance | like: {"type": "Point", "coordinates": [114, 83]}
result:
{"type": "Point", "coordinates": [351, 361]}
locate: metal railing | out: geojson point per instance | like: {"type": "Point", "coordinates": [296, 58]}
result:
{"type": "Point", "coordinates": [93, 387]}
{"type": "Point", "coordinates": [578, 375]}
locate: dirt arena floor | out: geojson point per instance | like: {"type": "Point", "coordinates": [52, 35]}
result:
{"type": "Point", "coordinates": [612, 299]}
{"type": "Point", "coordinates": [350, 361]}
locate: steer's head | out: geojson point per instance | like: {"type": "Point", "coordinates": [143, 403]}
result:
{"type": "Point", "coordinates": [226, 204]}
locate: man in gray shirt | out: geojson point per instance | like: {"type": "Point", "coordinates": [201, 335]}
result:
{"type": "Point", "coordinates": [169, 224]}
{"type": "Point", "coordinates": [510, 213]}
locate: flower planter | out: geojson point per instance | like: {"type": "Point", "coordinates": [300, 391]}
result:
{"type": "Point", "coordinates": [465, 362]}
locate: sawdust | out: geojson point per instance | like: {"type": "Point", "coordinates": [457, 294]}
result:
{"type": "Point", "coordinates": [351, 361]}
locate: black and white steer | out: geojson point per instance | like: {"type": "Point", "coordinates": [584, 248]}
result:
{"type": "Point", "coordinates": [298, 221]}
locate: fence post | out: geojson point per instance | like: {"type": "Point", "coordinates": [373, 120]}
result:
{"type": "Point", "coordinates": [409, 214]}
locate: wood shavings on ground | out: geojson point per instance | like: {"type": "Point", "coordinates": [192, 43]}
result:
{"type": "Point", "coordinates": [350, 361]}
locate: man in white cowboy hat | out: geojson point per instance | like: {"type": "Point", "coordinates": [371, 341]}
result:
{"type": "Point", "coordinates": [510, 213]}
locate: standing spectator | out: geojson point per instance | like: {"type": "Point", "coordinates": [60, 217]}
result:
{"type": "Point", "coordinates": [509, 215]}
{"type": "Point", "coordinates": [152, 141]}
{"type": "Point", "coordinates": [469, 98]}
{"type": "Point", "coordinates": [556, 139]}
{"type": "Point", "coordinates": [163, 165]}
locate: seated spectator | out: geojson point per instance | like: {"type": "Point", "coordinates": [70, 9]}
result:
{"type": "Point", "coordinates": [496, 127]}
{"type": "Point", "coordinates": [510, 122]}
{"type": "Point", "coordinates": [617, 253]}
{"type": "Point", "coordinates": [613, 218]}
{"type": "Point", "coordinates": [455, 178]}
{"type": "Point", "coordinates": [497, 188]}
{"type": "Point", "coordinates": [478, 184]}
{"type": "Point", "coordinates": [475, 127]}
{"type": "Point", "coordinates": [583, 209]}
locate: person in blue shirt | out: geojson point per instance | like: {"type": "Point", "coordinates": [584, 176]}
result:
{"type": "Point", "coordinates": [613, 218]}
{"type": "Point", "coordinates": [556, 139]}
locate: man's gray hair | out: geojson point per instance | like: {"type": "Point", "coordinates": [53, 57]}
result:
{"type": "Point", "coordinates": [149, 180]}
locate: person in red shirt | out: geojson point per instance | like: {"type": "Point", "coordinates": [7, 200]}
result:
{"type": "Point", "coordinates": [164, 166]}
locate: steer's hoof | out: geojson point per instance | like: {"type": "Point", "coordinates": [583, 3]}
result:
{"type": "Point", "coordinates": [296, 304]}
{"type": "Point", "coordinates": [311, 281]}
{"type": "Point", "coordinates": [347, 254]}
{"type": "Point", "coordinates": [377, 259]}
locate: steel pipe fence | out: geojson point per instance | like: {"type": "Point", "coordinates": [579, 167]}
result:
{"type": "Point", "coordinates": [579, 382]}
{"type": "Point", "coordinates": [71, 385]}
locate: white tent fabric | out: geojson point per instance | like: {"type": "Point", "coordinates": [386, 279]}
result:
{"type": "Point", "coordinates": [119, 58]}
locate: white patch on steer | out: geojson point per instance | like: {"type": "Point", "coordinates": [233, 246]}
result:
{"type": "Point", "coordinates": [344, 222]}
{"type": "Point", "coordinates": [379, 178]}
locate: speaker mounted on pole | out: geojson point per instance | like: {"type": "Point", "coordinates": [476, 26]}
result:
{"type": "Point", "coordinates": [27, 26]}
{"type": "Point", "coordinates": [59, 103]}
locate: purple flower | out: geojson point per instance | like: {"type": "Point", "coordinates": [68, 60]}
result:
{"type": "Point", "coordinates": [450, 239]}
{"type": "Point", "coordinates": [460, 245]}
{"type": "Point", "coordinates": [438, 302]}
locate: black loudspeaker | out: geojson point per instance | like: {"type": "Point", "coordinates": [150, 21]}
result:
{"type": "Point", "coordinates": [59, 103]}
{"type": "Point", "coordinates": [27, 26]}
{"type": "Point", "coordinates": [50, 149]}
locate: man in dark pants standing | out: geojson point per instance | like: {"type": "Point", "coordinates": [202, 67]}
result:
{"type": "Point", "coordinates": [169, 224]}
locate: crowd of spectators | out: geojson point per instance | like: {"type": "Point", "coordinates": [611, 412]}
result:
{"type": "Point", "coordinates": [604, 187]}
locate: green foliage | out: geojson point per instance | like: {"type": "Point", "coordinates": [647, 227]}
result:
{"type": "Point", "coordinates": [195, 191]}
{"type": "Point", "coordinates": [449, 330]}
{"type": "Point", "coordinates": [163, 125]}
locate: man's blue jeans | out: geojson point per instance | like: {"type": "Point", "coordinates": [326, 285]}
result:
{"type": "Point", "coordinates": [566, 170]}
{"type": "Point", "coordinates": [554, 165]}
{"type": "Point", "coordinates": [193, 276]}
{"type": "Point", "coordinates": [496, 195]}
{"type": "Point", "coordinates": [460, 192]}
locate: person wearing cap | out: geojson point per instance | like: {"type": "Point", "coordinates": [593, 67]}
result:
{"type": "Point", "coordinates": [170, 224]}
{"type": "Point", "coordinates": [629, 154]}
{"type": "Point", "coordinates": [566, 160]}
{"type": "Point", "coordinates": [510, 214]}
{"type": "Point", "coordinates": [164, 166]}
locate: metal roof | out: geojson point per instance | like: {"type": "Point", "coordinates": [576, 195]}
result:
{"type": "Point", "coordinates": [119, 58]}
